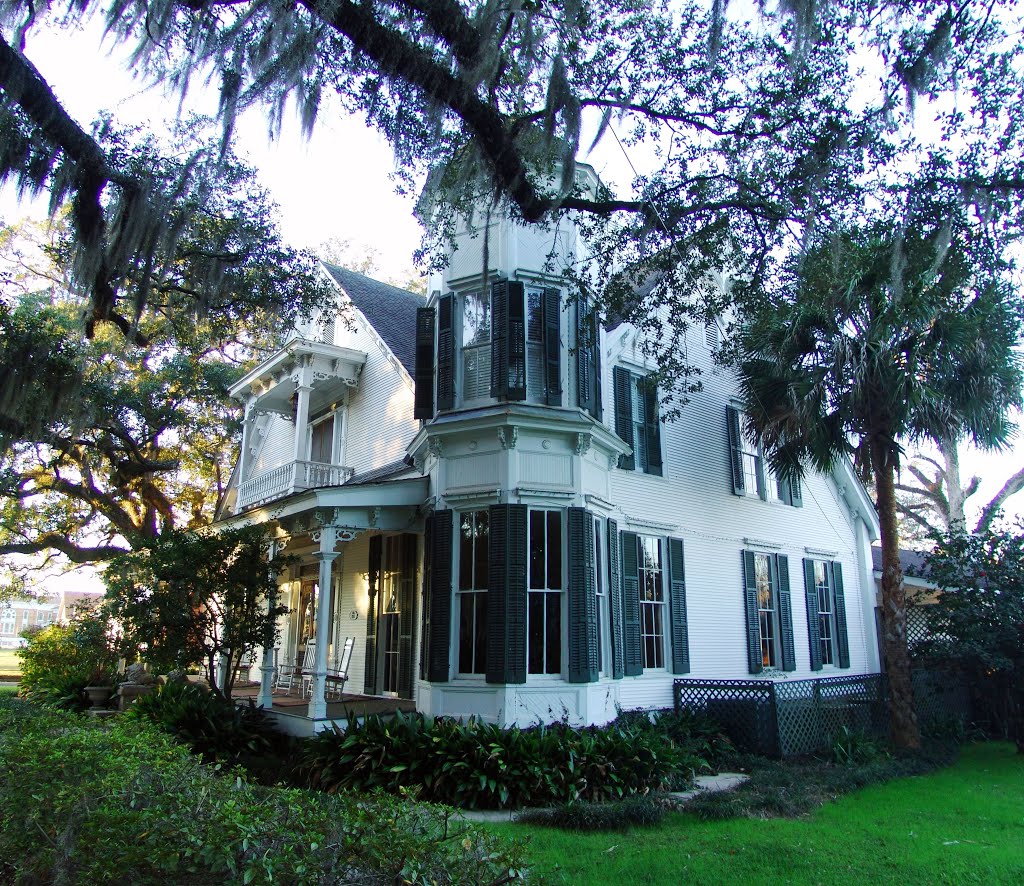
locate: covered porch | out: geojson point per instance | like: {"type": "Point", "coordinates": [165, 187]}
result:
{"type": "Point", "coordinates": [352, 594]}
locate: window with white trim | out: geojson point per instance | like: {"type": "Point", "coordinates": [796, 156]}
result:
{"type": "Point", "coordinates": [767, 611]}
{"type": "Point", "coordinates": [652, 602]}
{"type": "Point", "coordinates": [7, 621]}
{"type": "Point", "coordinates": [601, 593]}
{"type": "Point", "coordinates": [472, 591]}
{"type": "Point", "coordinates": [544, 593]}
{"type": "Point", "coordinates": [476, 345]}
{"type": "Point", "coordinates": [826, 613]}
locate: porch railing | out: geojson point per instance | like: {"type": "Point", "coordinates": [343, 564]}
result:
{"type": "Point", "coordinates": [295, 476]}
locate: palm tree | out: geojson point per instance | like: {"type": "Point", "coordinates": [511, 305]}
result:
{"type": "Point", "coordinates": [882, 335]}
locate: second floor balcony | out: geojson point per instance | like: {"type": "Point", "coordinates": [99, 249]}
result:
{"type": "Point", "coordinates": [287, 479]}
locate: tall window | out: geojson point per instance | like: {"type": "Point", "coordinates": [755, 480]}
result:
{"type": "Point", "coordinates": [601, 592]}
{"type": "Point", "coordinates": [476, 345]}
{"type": "Point", "coordinates": [636, 420]}
{"type": "Point", "coordinates": [544, 613]}
{"type": "Point", "coordinates": [321, 442]}
{"type": "Point", "coordinates": [826, 613]}
{"type": "Point", "coordinates": [7, 621]}
{"type": "Point", "coordinates": [766, 610]}
{"type": "Point", "coordinates": [750, 456]}
{"type": "Point", "coordinates": [472, 594]}
{"type": "Point", "coordinates": [640, 422]}
{"type": "Point", "coordinates": [652, 603]}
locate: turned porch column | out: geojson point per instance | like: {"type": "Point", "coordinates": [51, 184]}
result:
{"type": "Point", "coordinates": [303, 386]}
{"type": "Point", "coordinates": [326, 555]}
{"type": "Point", "coordinates": [267, 667]}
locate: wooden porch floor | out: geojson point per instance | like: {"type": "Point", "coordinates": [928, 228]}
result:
{"type": "Point", "coordinates": [349, 705]}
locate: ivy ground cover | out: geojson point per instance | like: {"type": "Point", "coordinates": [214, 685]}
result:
{"type": "Point", "coordinates": [960, 825]}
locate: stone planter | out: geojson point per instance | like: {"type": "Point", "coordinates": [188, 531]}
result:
{"type": "Point", "coordinates": [128, 692]}
{"type": "Point", "coordinates": [99, 695]}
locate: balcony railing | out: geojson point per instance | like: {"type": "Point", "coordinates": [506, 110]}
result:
{"type": "Point", "coordinates": [295, 476]}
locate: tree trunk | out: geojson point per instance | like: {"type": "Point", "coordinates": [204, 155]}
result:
{"type": "Point", "coordinates": [902, 714]}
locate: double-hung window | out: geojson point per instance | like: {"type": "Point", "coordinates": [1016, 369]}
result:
{"type": "Point", "coordinates": [826, 614]}
{"type": "Point", "coordinates": [601, 595]}
{"type": "Point", "coordinates": [652, 603]}
{"type": "Point", "coordinates": [472, 591]}
{"type": "Point", "coordinates": [769, 615]}
{"type": "Point", "coordinates": [476, 345]}
{"type": "Point", "coordinates": [751, 476]}
{"type": "Point", "coordinates": [637, 421]}
{"type": "Point", "coordinates": [544, 593]}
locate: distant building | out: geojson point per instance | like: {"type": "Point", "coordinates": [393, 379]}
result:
{"type": "Point", "coordinates": [19, 615]}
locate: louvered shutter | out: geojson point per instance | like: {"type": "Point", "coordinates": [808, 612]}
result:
{"type": "Point", "coordinates": [445, 352]}
{"type": "Point", "coordinates": [842, 638]}
{"type": "Point", "coordinates": [785, 606]}
{"type": "Point", "coordinates": [439, 530]}
{"type": "Point", "coordinates": [407, 609]}
{"type": "Point", "coordinates": [506, 595]}
{"type": "Point", "coordinates": [583, 652]}
{"type": "Point", "coordinates": [423, 404]}
{"type": "Point", "coordinates": [754, 659]}
{"type": "Point", "coordinates": [677, 607]}
{"type": "Point", "coordinates": [653, 430]}
{"type": "Point", "coordinates": [615, 600]}
{"type": "Point", "coordinates": [632, 659]}
{"type": "Point", "coordinates": [499, 339]}
{"type": "Point", "coordinates": [796, 492]}
{"type": "Point", "coordinates": [373, 590]}
{"type": "Point", "coordinates": [624, 414]}
{"type": "Point", "coordinates": [553, 347]}
{"type": "Point", "coordinates": [813, 627]}
{"type": "Point", "coordinates": [732, 416]}
{"type": "Point", "coordinates": [584, 360]}
{"type": "Point", "coordinates": [516, 371]}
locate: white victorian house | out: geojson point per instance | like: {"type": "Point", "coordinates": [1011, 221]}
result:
{"type": "Point", "coordinates": [483, 497]}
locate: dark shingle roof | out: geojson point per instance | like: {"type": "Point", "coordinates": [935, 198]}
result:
{"type": "Point", "coordinates": [385, 472]}
{"type": "Point", "coordinates": [390, 310]}
{"type": "Point", "coordinates": [912, 560]}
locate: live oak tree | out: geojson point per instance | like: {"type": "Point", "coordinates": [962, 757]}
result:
{"type": "Point", "coordinates": [110, 440]}
{"type": "Point", "coordinates": [895, 332]}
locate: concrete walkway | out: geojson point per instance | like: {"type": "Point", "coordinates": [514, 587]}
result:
{"type": "Point", "coordinates": [723, 781]}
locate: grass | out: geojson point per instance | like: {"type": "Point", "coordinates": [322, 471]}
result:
{"type": "Point", "coordinates": [9, 662]}
{"type": "Point", "coordinates": [960, 825]}
{"type": "Point", "coordinates": [8, 691]}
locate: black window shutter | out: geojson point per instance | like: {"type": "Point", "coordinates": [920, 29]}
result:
{"type": "Point", "coordinates": [785, 604]}
{"type": "Point", "coordinates": [516, 336]}
{"type": "Point", "coordinates": [677, 607]}
{"type": "Point", "coordinates": [373, 586]}
{"type": "Point", "coordinates": [439, 529]}
{"type": "Point", "coordinates": [615, 600]}
{"type": "Point", "coordinates": [499, 339]}
{"type": "Point", "coordinates": [632, 660]}
{"type": "Point", "coordinates": [595, 357]}
{"type": "Point", "coordinates": [732, 415]}
{"type": "Point", "coordinates": [842, 638]}
{"type": "Point", "coordinates": [584, 360]}
{"type": "Point", "coordinates": [582, 602]}
{"type": "Point", "coordinates": [813, 629]}
{"type": "Point", "coordinates": [407, 609]}
{"type": "Point", "coordinates": [784, 491]}
{"type": "Point", "coordinates": [423, 404]}
{"type": "Point", "coordinates": [553, 347]}
{"type": "Point", "coordinates": [624, 414]}
{"type": "Point", "coordinates": [750, 603]}
{"type": "Point", "coordinates": [445, 353]}
{"type": "Point", "coordinates": [506, 595]}
{"type": "Point", "coordinates": [653, 430]}
{"type": "Point", "coordinates": [796, 492]}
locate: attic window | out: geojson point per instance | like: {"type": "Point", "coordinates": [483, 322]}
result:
{"type": "Point", "coordinates": [711, 335]}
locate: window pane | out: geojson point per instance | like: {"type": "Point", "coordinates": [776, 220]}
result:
{"type": "Point", "coordinates": [480, 550]}
{"type": "Point", "coordinates": [553, 630]}
{"type": "Point", "coordinates": [537, 558]}
{"type": "Point", "coordinates": [536, 639]}
{"type": "Point", "coordinates": [554, 550]}
{"type": "Point", "coordinates": [535, 315]}
{"type": "Point", "coordinates": [476, 319]}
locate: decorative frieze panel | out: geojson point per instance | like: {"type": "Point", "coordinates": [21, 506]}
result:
{"type": "Point", "coordinates": [544, 469]}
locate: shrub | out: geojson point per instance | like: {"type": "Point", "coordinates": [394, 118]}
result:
{"type": "Point", "coordinates": [208, 724]}
{"type": "Point", "coordinates": [61, 660]}
{"type": "Point", "coordinates": [851, 747]}
{"type": "Point", "coordinates": [81, 802]}
{"type": "Point", "coordinates": [629, 812]}
{"type": "Point", "coordinates": [478, 765]}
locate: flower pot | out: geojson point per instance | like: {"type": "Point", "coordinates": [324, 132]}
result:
{"type": "Point", "coordinates": [99, 695]}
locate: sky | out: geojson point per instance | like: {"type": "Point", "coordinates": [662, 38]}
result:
{"type": "Point", "coordinates": [336, 184]}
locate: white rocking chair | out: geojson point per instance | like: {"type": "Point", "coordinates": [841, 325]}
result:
{"type": "Point", "coordinates": [290, 677]}
{"type": "Point", "coordinates": [337, 675]}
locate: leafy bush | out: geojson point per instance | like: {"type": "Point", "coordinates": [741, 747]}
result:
{"type": "Point", "coordinates": [61, 660]}
{"type": "Point", "coordinates": [81, 801]}
{"type": "Point", "coordinates": [631, 811]}
{"type": "Point", "coordinates": [478, 765]}
{"type": "Point", "coordinates": [208, 724]}
{"type": "Point", "coordinates": [695, 734]}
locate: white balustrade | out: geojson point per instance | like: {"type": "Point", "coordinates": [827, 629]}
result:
{"type": "Point", "coordinates": [288, 478]}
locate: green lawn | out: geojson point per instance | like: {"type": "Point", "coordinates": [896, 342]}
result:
{"type": "Point", "coordinates": [961, 825]}
{"type": "Point", "coordinates": [9, 662]}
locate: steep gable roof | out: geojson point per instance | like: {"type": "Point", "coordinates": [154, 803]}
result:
{"type": "Point", "coordinates": [390, 311]}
